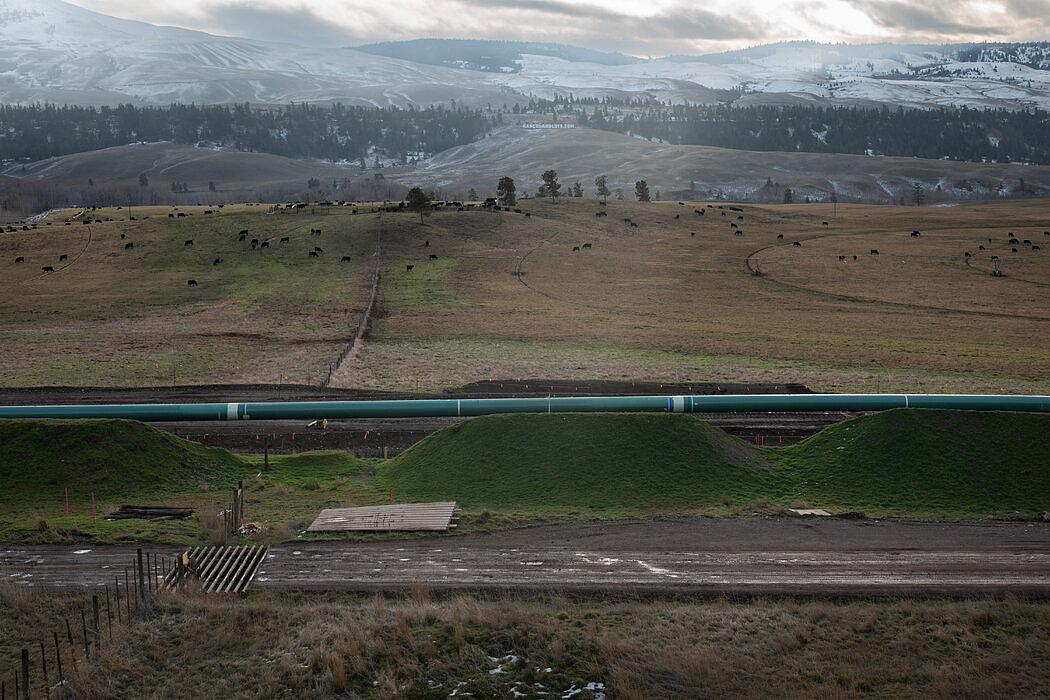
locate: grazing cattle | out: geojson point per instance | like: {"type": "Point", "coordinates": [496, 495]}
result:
{"type": "Point", "coordinates": [980, 247]}
{"type": "Point", "coordinates": [1035, 247]}
{"type": "Point", "coordinates": [576, 249]}
{"type": "Point", "coordinates": [824, 223]}
{"type": "Point", "coordinates": [1013, 250]}
{"type": "Point", "coordinates": [285, 239]}
{"type": "Point", "coordinates": [20, 259]}
{"type": "Point", "coordinates": [345, 258]}
{"type": "Point", "coordinates": [994, 257]}
{"type": "Point", "coordinates": [874, 251]}
{"type": "Point", "coordinates": [255, 242]}
{"type": "Point", "coordinates": [312, 253]}
{"type": "Point", "coordinates": [170, 215]}
{"type": "Point", "coordinates": [129, 246]}
{"type": "Point", "coordinates": [586, 245]}
{"type": "Point", "coordinates": [461, 209]}
{"type": "Point", "coordinates": [426, 243]}
{"type": "Point", "coordinates": [626, 220]}
{"type": "Point", "coordinates": [216, 261]}
{"type": "Point", "coordinates": [634, 225]}
{"type": "Point", "coordinates": [188, 242]}
{"type": "Point", "coordinates": [733, 226]}
{"type": "Point", "coordinates": [123, 236]}
{"type": "Point", "coordinates": [47, 268]}
{"type": "Point", "coordinates": [242, 236]}
{"type": "Point", "coordinates": [433, 257]}
{"type": "Point", "coordinates": [735, 209]}
{"type": "Point", "coordinates": [914, 234]}
{"type": "Point", "coordinates": [841, 258]}
{"type": "Point", "coordinates": [739, 218]}
{"type": "Point", "coordinates": [1027, 242]}
{"type": "Point", "coordinates": [1013, 241]}
{"type": "Point", "coordinates": [1046, 233]}
{"type": "Point", "coordinates": [738, 232]}
{"type": "Point", "coordinates": [796, 244]}
{"type": "Point", "coordinates": [854, 257]}
{"type": "Point", "coordinates": [989, 240]}
{"type": "Point", "coordinates": [191, 283]}
{"type": "Point", "coordinates": [676, 216]}
{"type": "Point", "coordinates": [409, 267]}
{"type": "Point", "coordinates": [317, 249]}
{"type": "Point", "coordinates": [681, 204]}
{"type": "Point", "coordinates": [181, 214]}
{"type": "Point", "coordinates": [243, 232]}
{"type": "Point", "coordinates": [692, 233]}
{"type": "Point", "coordinates": [723, 213]}
{"type": "Point", "coordinates": [264, 244]}
{"type": "Point", "coordinates": [966, 254]}
{"type": "Point", "coordinates": [62, 257]}
{"type": "Point", "coordinates": [528, 213]}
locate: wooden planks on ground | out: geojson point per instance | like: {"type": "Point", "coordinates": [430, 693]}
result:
{"type": "Point", "coordinates": [401, 516]}
{"type": "Point", "coordinates": [219, 569]}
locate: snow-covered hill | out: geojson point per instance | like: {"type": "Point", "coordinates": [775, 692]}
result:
{"type": "Point", "coordinates": [51, 51]}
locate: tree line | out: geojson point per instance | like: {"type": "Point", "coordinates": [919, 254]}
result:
{"type": "Point", "coordinates": [964, 134]}
{"type": "Point", "coordinates": [337, 132]}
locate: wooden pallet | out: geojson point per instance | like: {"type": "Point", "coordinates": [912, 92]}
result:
{"type": "Point", "coordinates": [401, 516]}
{"type": "Point", "coordinates": [218, 569]}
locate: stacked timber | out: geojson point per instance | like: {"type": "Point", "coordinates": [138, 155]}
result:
{"type": "Point", "coordinates": [149, 512]}
{"type": "Point", "coordinates": [401, 516]}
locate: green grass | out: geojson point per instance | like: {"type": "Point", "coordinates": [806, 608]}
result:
{"type": "Point", "coordinates": [112, 458]}
{"type": "Point", "coordinates": [519, 469]}
{"type": "Point", "coordinates": [906, 462]}
{"type": "Point", "coordinates": [923, 462]}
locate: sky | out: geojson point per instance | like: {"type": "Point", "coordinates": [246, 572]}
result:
{"type": "Point", "coordinates": [650, 28]}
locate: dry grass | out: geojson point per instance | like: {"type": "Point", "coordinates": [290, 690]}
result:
{"type": "Point", "coordinates": [379, 647]}
{"type": "Point", "coordinates": [651, 302]}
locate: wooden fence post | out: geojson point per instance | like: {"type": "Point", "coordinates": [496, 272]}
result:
{"type": "Point", "coordinates": [43, 665]}
{"type": "Point", "coordinates": [58, 657]}
{"type": "Point", "coordinates": [142, 577]}
{"type": "Point", "coordinates": [72, 649]}
{"type": "Point", "coordinates": [25, 674]}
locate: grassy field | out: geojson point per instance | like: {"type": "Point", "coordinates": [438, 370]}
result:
{"type": "Point", "coordinates": [418, 646]}
{"type": "Point", "coordinates": [512, 470]}
{"type": "Point", "coordinates": [673, 296]}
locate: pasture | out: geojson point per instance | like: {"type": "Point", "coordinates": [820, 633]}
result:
{"type": "Point", "coordinates": [661, 293]}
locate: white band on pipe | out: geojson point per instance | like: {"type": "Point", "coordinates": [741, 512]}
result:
{"type": "Point", "coordinates": [678, 404]}
{"type": "Point", "coordinates": [231, 411]}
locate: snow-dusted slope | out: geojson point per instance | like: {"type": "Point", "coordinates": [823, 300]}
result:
{"type": "Point", "coordinates": [54, 51]}
{"type": "Point", "coordinates": [51, 51]}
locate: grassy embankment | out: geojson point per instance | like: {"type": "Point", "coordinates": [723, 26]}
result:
{"type": "Point", "coordinates": [508, 470]}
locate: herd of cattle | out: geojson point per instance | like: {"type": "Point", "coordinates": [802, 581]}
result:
{"type": "Point", "coordinates": [317, 251]}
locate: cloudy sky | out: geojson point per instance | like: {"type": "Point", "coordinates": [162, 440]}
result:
{"type": "Point", "coordinates": [649, 28]}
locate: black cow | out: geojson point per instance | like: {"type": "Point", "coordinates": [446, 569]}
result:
{"type": "Point", "coordinates": [1013, 250]}
{"type": "Point", "coordinates": [874, 251]}
{"type": "Point", "coordinates": [733, 226]}
{"type": "Point", "coordinates": [264, 244]}
{"type": "Point", "coordinates": [191, 283]}
{"type": "Point", "coordinates": [313, 254]}
{"type": "Point", "coordinates": [780, 236]}
{"type": "Point", "coordinates": [345, 258]}
{"type": "Point", "coordinates": [1035, 247]}
{"type": "Point", "coordinates": [62, 257]}
{"type": "Point", "coordinates": [129, 246]}
{"type": "Point", "coordinates": [188, 242]}
{"type": "Point", "coordinates": [676, 216]}
{"type": "Point", "coordinates": [123, 236]}
{"type": "Point", "coordinates": [241, 236]}
{"type": "Point", "coordinates": [738, 232]}
{"type": "Point", "coordinates": [1027, 242]}
{"type": "Point", "coordinates": [47, 268]}
{"type": "Point", "coordinates": [841, 258]}
{"type": "Point", "coordinates": [576, 249]}
{"type": "Point", "coordinates": [914, 234]}
{"type": "Point", "coordinates": [216, 261]}
{"type": "Point", "coordinates": [966, 254]}
{"type": "Point", "coordinates": [409, 267]}
{"type": "Point", "coordinates": [20, 259]}
{"type": "Point", "coordinates": [255, 242]}
{"type": "Point", "coordinates": [285, 239]}
{"type": "Point", "coordinates": [243, 232]}
{"type": "Point", "coordinates": [317, 249]}
{"type": "Point", "coordinates": [181, 214]}
{"type": "Point", "coordinates": [980, 247]}
{"type": "Point", "coordinates": [692, 233]}
{"type": "Point", "coordinates": [433, 257]}
{"type": "Point", "coordinates": [796, 244]}
{"type": "Point", "coordinates": [170, 215]}
{"type": "Point", "coordinates": [1013, 241]}
{"type": "Point", "coordinates": [824, 223]}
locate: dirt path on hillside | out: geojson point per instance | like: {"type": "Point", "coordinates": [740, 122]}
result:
{"type": "Point", "coordinates": [679, 554]}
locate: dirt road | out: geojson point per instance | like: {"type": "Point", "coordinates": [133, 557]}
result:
{"type": "Point", "coordinates": [694, 555]}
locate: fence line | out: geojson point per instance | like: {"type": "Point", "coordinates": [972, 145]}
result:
{"type": "Point", "coordinates": [139, 590]}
